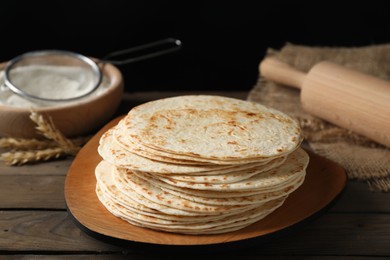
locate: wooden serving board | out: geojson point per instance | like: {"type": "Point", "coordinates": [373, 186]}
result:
{"type": "Point", "coordinates": [324, 181]}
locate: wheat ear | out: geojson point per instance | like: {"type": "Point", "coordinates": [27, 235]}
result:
{"type": "Point", "coordinates": [26, 144]}
{"type": "Point", "coordinates": [31, 156]}
{"type": "Point", "coordinates": [48, 129]}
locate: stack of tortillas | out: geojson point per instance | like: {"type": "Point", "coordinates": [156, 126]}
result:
{"type": "Point", "coordinates": [199, 164]}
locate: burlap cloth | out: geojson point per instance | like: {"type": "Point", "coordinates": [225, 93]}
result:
{"type": "Point", "coordinates": [362, 158]}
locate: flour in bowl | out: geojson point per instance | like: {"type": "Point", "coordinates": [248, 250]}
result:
{"type": "Point", "coordinates": [56, 82]}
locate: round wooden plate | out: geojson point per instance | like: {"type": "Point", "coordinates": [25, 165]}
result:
{"type": "Point", "coordinates": [324, 182]}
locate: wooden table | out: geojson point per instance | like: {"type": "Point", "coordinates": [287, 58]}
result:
{"type": "Point", "coordinates": [34, 222]}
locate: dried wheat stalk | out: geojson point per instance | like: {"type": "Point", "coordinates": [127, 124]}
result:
{"type": "Point", "coordinates": [35, 144]}
{"type": "Point", "coordinates": [33, 150]}
{"type": "Point", "coordinates": [31, 156]}
{"type": "Point", "coordinates": [26, 144]}
{"type": "Point", "coordinates": [48, 129]}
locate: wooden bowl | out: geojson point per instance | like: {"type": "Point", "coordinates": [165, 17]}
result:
{"type": "Point", "coordinates": [73, 119]}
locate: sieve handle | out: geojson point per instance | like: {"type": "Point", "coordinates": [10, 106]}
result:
{"type": "Point", "coordinates": [170, 44]}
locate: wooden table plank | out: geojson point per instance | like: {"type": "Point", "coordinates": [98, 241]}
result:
{"type": "Point", "coordinates": [56, 167]}
{"type": "Point", "coordinates": [358, 198]}
{"type": "Point", "coordinates": [339, 234]}
{"type": "Point", "coordinates": [331, 234]}
{"type": "Point", "coordinates": [28, 192]}
{"type": "Point", "coordinates": [45, 231]}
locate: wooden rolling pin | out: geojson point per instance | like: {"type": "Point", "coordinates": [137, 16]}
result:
{"type": "Point", "coordinates": [342, 96]}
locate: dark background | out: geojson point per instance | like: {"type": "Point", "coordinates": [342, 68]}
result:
{"type": "Point", "coordinates": [223, 41]}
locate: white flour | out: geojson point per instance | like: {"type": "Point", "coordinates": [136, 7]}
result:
{"type": "Point", "coordinates": [45, 81]}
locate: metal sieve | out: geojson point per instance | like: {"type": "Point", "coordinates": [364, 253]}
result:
{"type": "Point", "coordinates": [90, 78]}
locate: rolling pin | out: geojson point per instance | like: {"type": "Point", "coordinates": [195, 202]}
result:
{"type": "Point", "coordinates": [342, 96]}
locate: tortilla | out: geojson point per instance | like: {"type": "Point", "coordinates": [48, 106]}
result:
{"type": "Point", "coordinates": [212, 127]}
{"type": "Point", "coordinates": [295, 165]}
{"type": "Point", "coordinates": [199, 164]}
{"type": "Point", "coordinates": [110, 151]}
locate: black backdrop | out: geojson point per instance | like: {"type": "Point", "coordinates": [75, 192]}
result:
{"type": "Point", "coordinates": [223, 41]}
